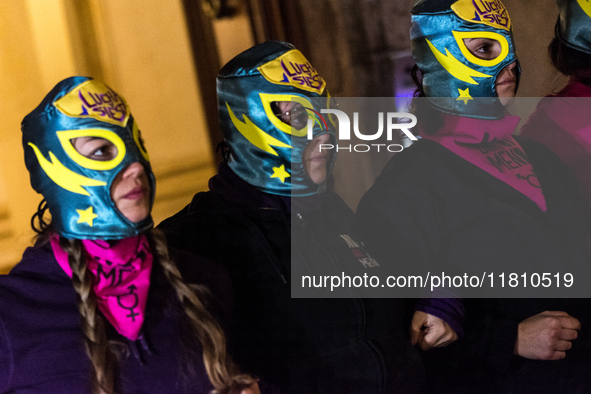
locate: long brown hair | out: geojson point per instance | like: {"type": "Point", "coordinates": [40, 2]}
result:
{"type": "Point", "coordinates": [222, 372]}
{"type": "Point", "coordinates": [570, 61]}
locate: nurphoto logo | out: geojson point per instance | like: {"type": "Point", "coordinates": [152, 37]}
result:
{"type": "Point", "coordinates": [393, 120]}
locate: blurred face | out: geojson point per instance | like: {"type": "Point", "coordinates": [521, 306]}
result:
{"type": "Point", "coordinates": [315, 162]}
{"type": "Point", "coordinates": [130, 190]}
{"type": "Point", "coordinates": [489, 49]}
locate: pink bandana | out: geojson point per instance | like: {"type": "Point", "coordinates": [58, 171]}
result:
{"type": "Point", "coordinates": [488, 144]}
{"type": "Point", "coordinates": [121, 279]}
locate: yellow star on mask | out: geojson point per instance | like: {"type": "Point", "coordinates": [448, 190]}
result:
{"type": "Point", "coordinates": [464, 95]}
{"type": "Point", "coordinates": [279, 172]}
{"type": "Point", "coordinates": [86, 216]}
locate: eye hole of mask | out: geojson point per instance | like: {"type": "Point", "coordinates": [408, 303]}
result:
{"type": "Point", "coordinates": [278, 110]}
{"type": "Point", "coordinates": [290, 113]}
{"type": "Point", "coordinates": [95, 148]}
{"type": "Point", "coordinates": [483, 48]}
{"type": "Point", "coordinates": [295, 115]}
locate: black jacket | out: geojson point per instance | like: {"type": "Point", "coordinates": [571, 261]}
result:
{"type": "Point", "coordinates": [430, 206]}
{"type": "Point", "coordinates": [301, 345]}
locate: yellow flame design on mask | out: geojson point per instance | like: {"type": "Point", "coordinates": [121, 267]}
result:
{"type": "Point", "coordinates": [63, 176]}
{"type": "Point", "coordinates": [586, 6]}
{"type": "Point", "coordinates": [256, 136]}
{"type": "Point", "coordinates": [455, 67]}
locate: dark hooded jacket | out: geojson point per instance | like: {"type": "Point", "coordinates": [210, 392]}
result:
{"type": "Point", "coordinates": [435, 207]}
{"type": "Point", "coordinates": [307, 345]}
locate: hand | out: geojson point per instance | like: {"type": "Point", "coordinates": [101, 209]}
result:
{"type": "Point", "coordinates": [252, 389]}
{"type": "Point", "coordinates": [429, 331]}
{"type": "Point", "coordinates": [546, 336]}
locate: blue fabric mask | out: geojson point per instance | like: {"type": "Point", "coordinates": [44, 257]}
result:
{"type": "Point", "coordinates": [264, 151]}
{"type": "Point", "coordinates": [574, 24]}
{"type": "Point", "coordinates": [77, 188]}
{"type": "Point", "coordinates": [454, 80]}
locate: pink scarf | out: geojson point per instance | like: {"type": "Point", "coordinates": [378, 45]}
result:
{"type": "Point", "coordinates": [121, 279]}
{"type": "Point", "coordinates": [488, 144]}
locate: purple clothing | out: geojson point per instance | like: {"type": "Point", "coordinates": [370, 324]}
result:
{"type": "Point", "coordinates": [562, 122]}
{"type": "Point", "coordinates": [42, 345]}
{"type": "Point", "coordinates": [451, 310]}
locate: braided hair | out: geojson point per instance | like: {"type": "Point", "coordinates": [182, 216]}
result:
{"type": "Point", "coordinates": [103, 359]}
{"type": "Point", "coordinates": [201, 325]}
{"type": "Point", "coordinates": [222, 372]}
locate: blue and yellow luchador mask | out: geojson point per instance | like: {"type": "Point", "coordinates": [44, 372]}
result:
{"type": "Point", "coordinates": [77, 188]}
{"type": "Point", "coordinates": [574, 24]}
{"type": "Point", "coordinates": [266, 152]}
{"type": "Point", "coordinates": [454, 78]}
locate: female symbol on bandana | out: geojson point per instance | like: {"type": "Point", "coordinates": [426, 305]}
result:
{"type": "Point", "coordinates": [534, 183]}
{"type": "Point", "coordinates": [132, 314]}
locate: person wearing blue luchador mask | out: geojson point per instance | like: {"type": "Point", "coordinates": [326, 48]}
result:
{"type": "Point", "coordinates": [262, 148]}
{"type": "Point", "coordinates": [77, 183]}
{"type": "Point", "coordinates": [447, 201]}
{"type": "Point", "coordinates": [99, 304]}
{"type": "Point", "coordinates": [271, 215]}
{"type": "Point", "coordinates": [466, 55]}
